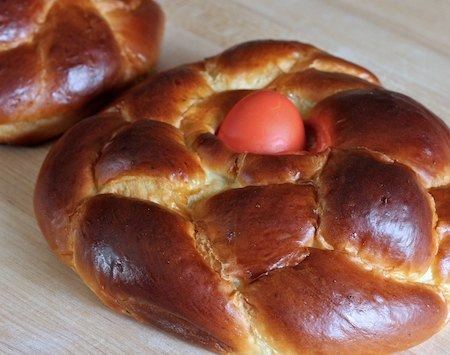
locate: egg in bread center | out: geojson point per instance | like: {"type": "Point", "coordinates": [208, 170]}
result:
{"type": "Point", "coordinates": [263, 122]}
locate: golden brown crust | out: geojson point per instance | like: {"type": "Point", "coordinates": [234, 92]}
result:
{"type": "Point", "coordinates": [67, 178]}
{"type": "Point", "coordinates": [166, 96]}
{"type": "Point", "coordinates": [328, 63]}
{"type": "Point", "coordinates": [441, 197]}
{"type": "Point", "coordinates": [147, 148]}
{"type": "Point", "coordinates": [254, 64]}
{"type": "Point", "coordinates": [250, 58]}
{"type": "Point", "coordinates": [215, 155]}
{"type": "Point", "coordinates": [149, 186]}
{"type": "Point", "coordinates": [156, 265]}
{"type": "Point", "coordinates": [442, 262]}
{"type": "Point", "coordinates": [327, 304]}
{"type": "Point", "coordinates": [19, 20]}
{"type": "Point", "coordinates": [200, 123]}
{"type": "Point", "coordinates": [138, 29]}
{"type": "Point", "coordinates": [276, 169]}
{"type": "Point", "coordinates": [70, 53]}
{"type": "Point", "coordinates": [15, 81]}
{"type": "Point", "coordinates": [377, 210]}
{"type": "Point", "coordinates": [258, 62]}
{"type": "Point", "coordinates": [256, 229]}
{"type": "Point", "coordinates": [148, 159]}
{"type": "Point", "coordinates": [307, 87]}
{"type": "Point", "coordinates": [387, 122]}
{"type": "Point", "coordinates": [80, 56]}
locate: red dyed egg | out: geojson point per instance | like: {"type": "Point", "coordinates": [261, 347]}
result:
{"type": "Point", "coordinates": [264, 122]}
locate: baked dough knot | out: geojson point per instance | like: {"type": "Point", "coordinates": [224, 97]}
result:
{"type": "Point", "coordinates": [343, 247]}
{"type": "Point", "coordinates": [60, 59]}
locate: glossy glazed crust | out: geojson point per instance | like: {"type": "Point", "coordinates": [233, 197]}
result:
{"type": "Point", "coordinates": [247, 237]}
{"type": "Point", "coordinates": [66, 178]}
{"type": "Point", "coordinates": [329, 304]}
{"type": "Point", "coordinates": [164, 223]}
{"type": "Point", "coordinates": [386, 122]}
{"type": "Point", "coordinates": [73, 56]}
{"type": "Point", "coordinates": [147, 147]}
{"type": "Point", "coordinates": [364, 200]}
{"type": "Point", "coordinates": [156, 266]}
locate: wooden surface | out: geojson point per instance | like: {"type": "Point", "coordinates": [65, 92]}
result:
{"type": "Point", "coordinates": [44, 307]}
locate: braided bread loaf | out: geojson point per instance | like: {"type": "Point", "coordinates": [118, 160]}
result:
{"type": "Point", "coordinates": [58, 56]}
{"type": "Point", "coordinates": [344, 247]}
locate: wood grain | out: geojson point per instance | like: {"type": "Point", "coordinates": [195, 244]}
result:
{"type": "Point", "coordinates": [45, 308]}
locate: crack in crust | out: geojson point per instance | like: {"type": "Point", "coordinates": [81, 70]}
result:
{"type": "Point", "coordinates": [185, 106]}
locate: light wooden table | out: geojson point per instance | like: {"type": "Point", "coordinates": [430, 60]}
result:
{"type": "Point", "coordinates": [44, 307]}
